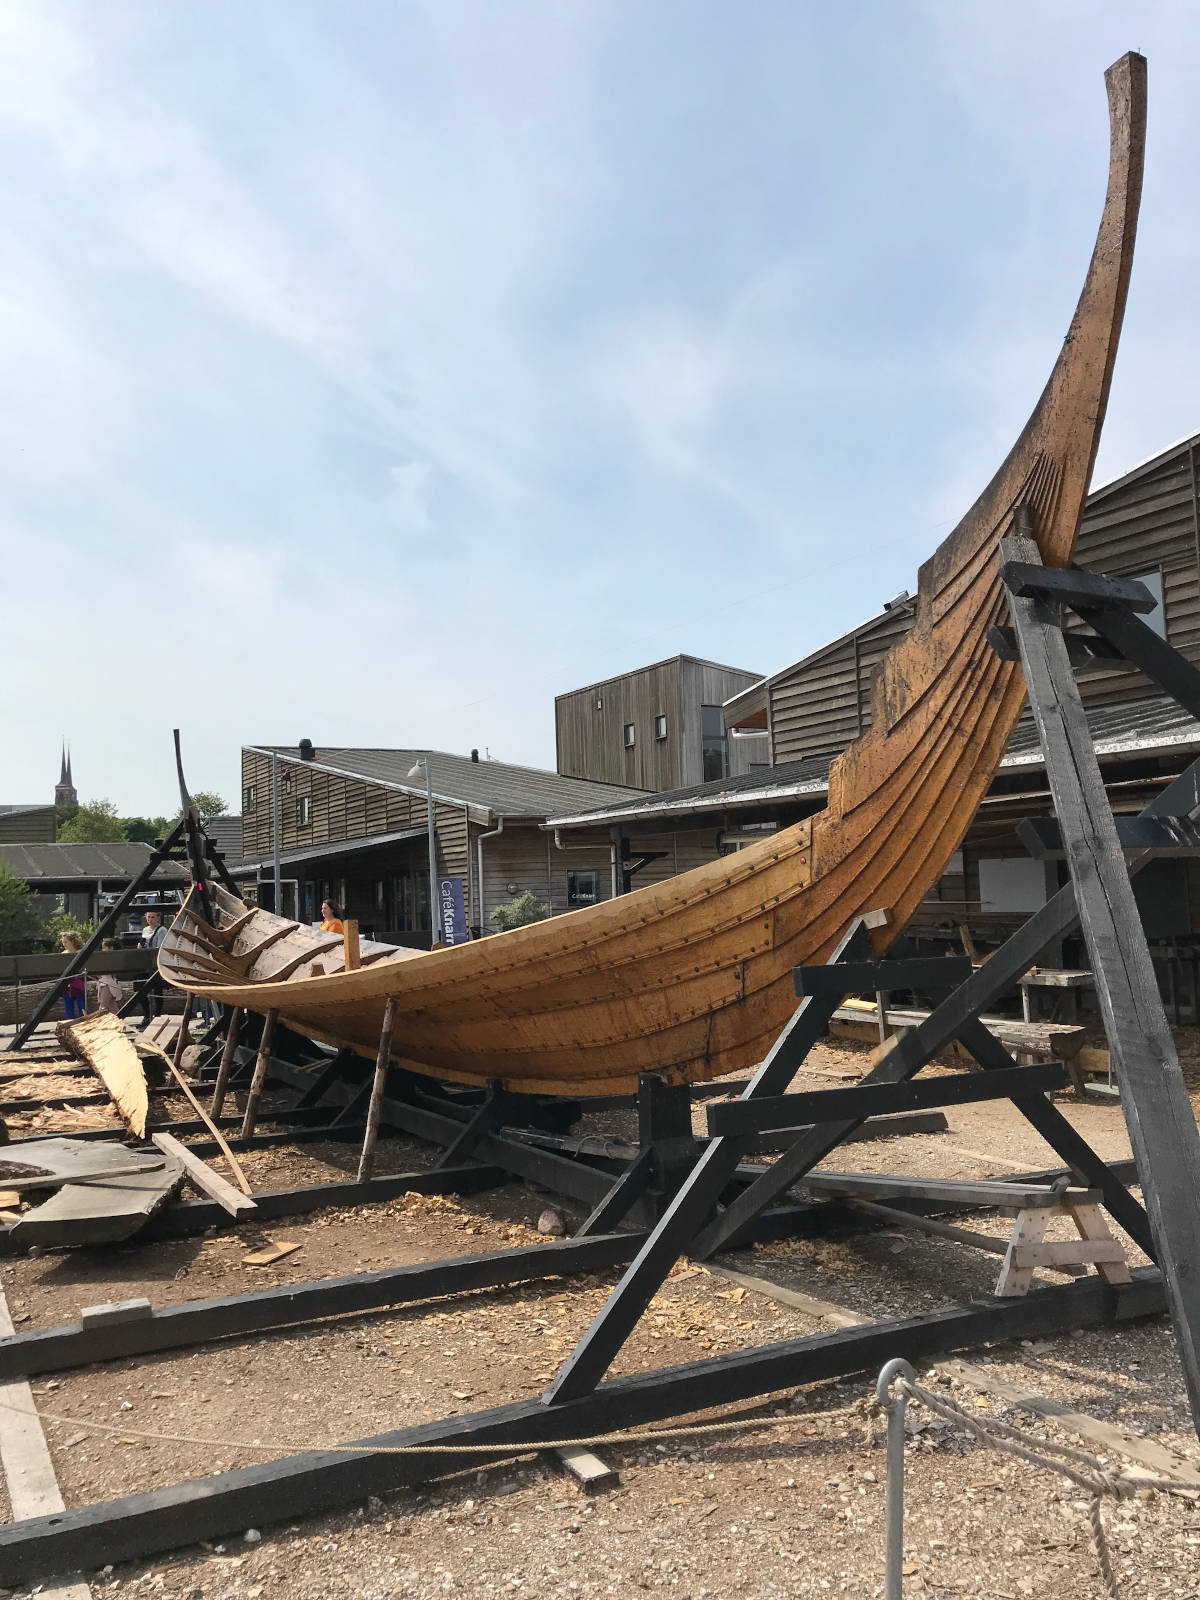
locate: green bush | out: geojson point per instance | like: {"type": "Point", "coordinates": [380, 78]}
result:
{"type": "Point", "coordinates": [60, 922]}
{"type": "Point", "coordinates": [518, 913]}
{"type": "Point", "coordinates": [21, 927]}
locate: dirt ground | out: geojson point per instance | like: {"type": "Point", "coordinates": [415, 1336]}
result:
{"type": "Point", "coordinates": [790, 1506]}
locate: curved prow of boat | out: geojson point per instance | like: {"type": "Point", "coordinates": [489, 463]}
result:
{"type": "Point", "coordinates": [691, 978]}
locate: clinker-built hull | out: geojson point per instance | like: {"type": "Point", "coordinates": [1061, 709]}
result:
{"type": "Point", "coordinates": [691, 978]}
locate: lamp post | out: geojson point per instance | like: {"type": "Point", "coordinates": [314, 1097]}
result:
{"type": "Point", "coordinates": [422, 767]}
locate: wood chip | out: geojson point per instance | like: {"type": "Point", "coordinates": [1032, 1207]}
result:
{"type": "Point", "coordinates": [275, 1251]}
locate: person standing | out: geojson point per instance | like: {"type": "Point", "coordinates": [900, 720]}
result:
{"type": "Point", "coordinates": [108, 991]}
{"type": "Point", "coordinates": [75, 994]}
{"type": "Point", "coordinates": [153, 934]}
{"type": "Point", "coordinates": [331, 917]}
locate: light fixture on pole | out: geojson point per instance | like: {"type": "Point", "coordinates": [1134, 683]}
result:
{"type": "Point", "coordinates": [421, 768]}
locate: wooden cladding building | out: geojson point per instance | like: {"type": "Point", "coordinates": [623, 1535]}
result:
{"type": "Point", "coordinates": [27, 825]}
{"type": "Point", "coordinates": [354, 829]}
{"type": "Point", "coordinates": [1145, 525]}
{"type": "Point", "coordinates": [658, 727]}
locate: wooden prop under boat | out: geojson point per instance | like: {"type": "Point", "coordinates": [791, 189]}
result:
{"type": "Point", "coordinates": [692, 978]}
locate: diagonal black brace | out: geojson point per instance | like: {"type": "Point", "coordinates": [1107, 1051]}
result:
{"type": "Point", "coordinates": [105, 925]}
{"type": "Point", "coordinates": [694, 1201]}
{"type": "Point", "coordinates": [489, 1115]}
{"type": "Point", "coordinates": [329, 1074]}
{"type": "Point", "coordinates": [609, 1212]}
{"type": "Point", "coordinates": [1138, 643]}
{"type": "Point", "coordinates": [1091, 1169]}
{"type": "Point", "coordinates": [1158, 1114]}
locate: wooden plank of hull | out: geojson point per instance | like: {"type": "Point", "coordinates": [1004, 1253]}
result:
{"type": "Point", "coordinates": [691, 978]}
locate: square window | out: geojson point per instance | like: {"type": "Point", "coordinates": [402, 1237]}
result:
{"type": "Point", "coordinates": [1156, 619]}
{"type": "Point", "coordinates": [582, 889]}
{"type": "Point", "coordinates": [660, 727]}
{"type": "Point", "coordinates": [630, 736]}
{"type": "Point", "coordinates": [303, 811]}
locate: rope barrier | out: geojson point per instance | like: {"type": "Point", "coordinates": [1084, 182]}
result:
{"type": "Point", "coordinates": [500, 1448]}
{"type": "Point", "coordinates": [1083, 1469]}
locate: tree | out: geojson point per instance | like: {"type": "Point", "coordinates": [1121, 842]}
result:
{"type": "Point", "coordinates": [144, 830]}
{"type": "Point", "coordinates": [209, 804]}
{"type": "Point", "coordinates": [518, 913]}
{"type": "Point", "coordinates": [21, 927]}
{"type": "Point", "coordinates": [95, 823]}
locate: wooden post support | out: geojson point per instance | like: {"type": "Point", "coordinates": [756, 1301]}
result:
{"type": "Point", "coordinates": [227, 1058]}
{"type": "Point", "coordinates": [366, 1162]}
{"type": "Point", "coordinates": [181, 1042]}
{"type": "Point", "coordinates": [350, 944]}
{"type": "Point", "coordinates": [881, 1000]}
{"type": "Point", "coordinates": [260, 1073]}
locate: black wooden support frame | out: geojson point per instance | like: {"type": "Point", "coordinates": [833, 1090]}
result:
{"type": "Point", "coordinates": [320, 1480]}
{"type": "Point", "coordinates": [1158, 1113]}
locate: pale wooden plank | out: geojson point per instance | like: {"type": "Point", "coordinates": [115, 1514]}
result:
{"type": "Point", "coordinates": [25, 1458]}
{"type": "Point", "coordinates": [212, 1183]}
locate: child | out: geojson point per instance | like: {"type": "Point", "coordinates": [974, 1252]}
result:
{"type": "Point", "coordinates": [75, 994]}
{"type": "Point", "coordinates": [109, 994]}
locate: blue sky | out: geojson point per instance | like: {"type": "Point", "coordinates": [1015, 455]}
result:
{"type": "Point", "coordinates": [372, 372]}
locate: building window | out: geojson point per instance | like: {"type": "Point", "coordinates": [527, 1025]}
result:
{"type": "Point", "coordinates": [630, 736]}
{"type": "Point", "coordinates": [249, 795]}
{"type": "Point", "coordinates": [714, 743]}
{"type": "Point", "coordinates": [303, 811]}
{"type": "Point", "coordinates": [286, 782]}
{"type": "Point", "coordinates": [582, 889]}
{"type": "Point", "coordinates": [1156, 619]}
{"type": "Point", "coordinates": [660, 727]}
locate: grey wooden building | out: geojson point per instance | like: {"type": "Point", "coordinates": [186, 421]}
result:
{"type": "Point", "coordinates": [353, 829]}
{"type": "Point", "coordinates": [34, 824]}
{"type": "Point", "coordinates": [657, 727]}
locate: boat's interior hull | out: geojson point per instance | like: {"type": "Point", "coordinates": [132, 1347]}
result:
{"type": "Point", "coordinates": [691, 978]}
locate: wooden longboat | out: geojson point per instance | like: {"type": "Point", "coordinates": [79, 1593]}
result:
{"type": "Point", "coordinates": [692, 978]}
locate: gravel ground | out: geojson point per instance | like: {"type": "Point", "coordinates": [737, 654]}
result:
{"type": "Point", "coordinates": [793, 1506]}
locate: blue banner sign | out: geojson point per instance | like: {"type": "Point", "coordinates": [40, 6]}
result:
{"type": "Point", "coordinates": [452, 913]}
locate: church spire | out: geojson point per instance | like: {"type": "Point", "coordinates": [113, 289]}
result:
{"type": "Point", "coordinates": [64, 790]}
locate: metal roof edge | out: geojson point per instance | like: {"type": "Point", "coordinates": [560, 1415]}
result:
{"type": "Point", "coordinates": [1154, 460]}
{"type": "Point", "coordinates": [725, 801]}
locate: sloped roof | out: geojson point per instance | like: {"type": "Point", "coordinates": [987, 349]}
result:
{"type": "Point", "coordinates": [496, 786]}
{"type": "Point", "coordinates": [1132, 727]}
{"type": "Point", "coordinates": [57, 863]}
{"type": "Point", "coordinates": [11, 811]}
{"type": "Point", "coordinates": [616, 677]}
{"type": "Point", "coordinates": [1150, 462]}
{"type": "Point", "coordinates": [226, 834]}
{"type": "Point", "coordinates": [792, 779]}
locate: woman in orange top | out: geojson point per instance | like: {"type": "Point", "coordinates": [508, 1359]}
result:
{"type": "Point", "coordinates": [331, 918]}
